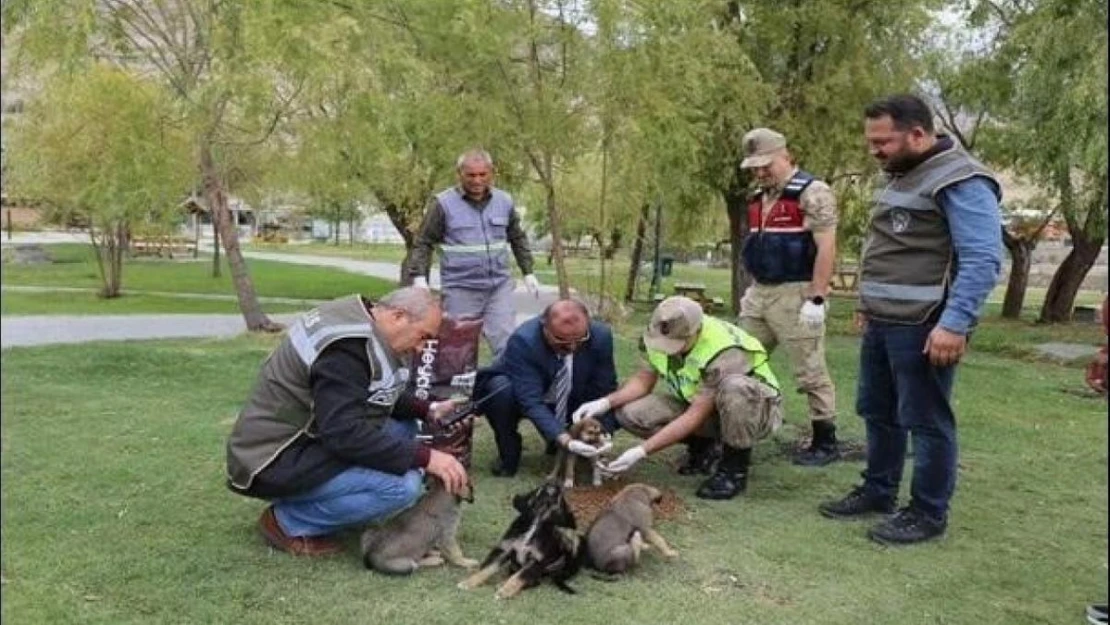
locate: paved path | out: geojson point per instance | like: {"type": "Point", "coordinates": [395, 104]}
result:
{"type": "Point", "coordinates": [43, 330]}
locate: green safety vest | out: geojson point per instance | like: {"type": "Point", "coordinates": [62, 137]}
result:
{"type": "Point", "coordinates": [716, 336]}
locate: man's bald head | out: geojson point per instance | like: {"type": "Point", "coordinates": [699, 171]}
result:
{"type": "Point", "coordinates": [566, 324]}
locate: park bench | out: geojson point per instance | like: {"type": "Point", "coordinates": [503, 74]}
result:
{"type": "Point", "coordinates": [162, 246]}
{"type": "Point", "coordinates": [696, 292]}
{"type": "Point", "coordinates": [845, 277]}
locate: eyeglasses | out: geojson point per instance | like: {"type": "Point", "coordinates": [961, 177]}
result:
{"type": "Point", "coordinates": [564, 343]}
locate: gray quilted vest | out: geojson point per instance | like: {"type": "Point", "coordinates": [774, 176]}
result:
{"type": "Point", "coordinates": [475, 250]}
{"type": "Point", "coordinates": [908, 255]}
{"type": "Point", "coordinates": [280, 407]}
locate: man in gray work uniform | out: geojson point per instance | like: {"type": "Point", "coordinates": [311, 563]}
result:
{"type": "Point", "coordinates": [474, 224]}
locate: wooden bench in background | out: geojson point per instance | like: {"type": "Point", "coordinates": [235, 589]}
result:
{"type": "Point", "coordinates": [846, 277]}
{"type": "Point", "coordinates": [162, 246]}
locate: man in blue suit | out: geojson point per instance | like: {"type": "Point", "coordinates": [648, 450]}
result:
{"type": "Point", "coordinates": [552, 364]}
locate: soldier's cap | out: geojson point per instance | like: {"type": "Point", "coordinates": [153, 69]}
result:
{"type": "Point", "coordinates": [760, 146]}
{"type": "Point", "coordinates": [673, 323]}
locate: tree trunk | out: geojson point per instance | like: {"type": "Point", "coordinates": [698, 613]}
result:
{"type": "Point", "coordinates": [556, 239]}
{"type": "Point", "coordinates": [1069, 276]}
{"type": "Point", "coordinates": [397, 217]}
{"type": "Point", "coordinates": [637, 252]}
{"type": "Point", "coordinates": [1021, 259]}
{"type": "Point", "coordinates": [216, 197]}
{"type": "Point", "coordinates": [737, 204]}
{"type": "Point", "coordinates": [215, 244]}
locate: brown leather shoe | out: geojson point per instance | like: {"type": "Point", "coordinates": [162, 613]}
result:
{"type": "Point", "coordinates": [296, 545]}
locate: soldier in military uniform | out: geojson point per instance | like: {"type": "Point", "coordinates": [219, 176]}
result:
{"type": "Point", "coordinates": [790, 252]}
{"type": "Point", "coordinates": [475, 224]}
{"type": "Point", "coordinates": [329, 432]}
{"type": "Point", "coordinates": [718, 385]}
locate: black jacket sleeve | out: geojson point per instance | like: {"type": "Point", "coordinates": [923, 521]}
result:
{"type": "Point", "coordinates": [346, 424]}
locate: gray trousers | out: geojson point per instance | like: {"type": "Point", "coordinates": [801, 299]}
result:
{"type": "Point", "coordinates": [494, 306]}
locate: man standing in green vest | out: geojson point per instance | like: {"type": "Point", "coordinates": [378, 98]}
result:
{"type": "Point", "coordinates": [718, 385]}
{"type": "Point", "coordinates": [932, 255]}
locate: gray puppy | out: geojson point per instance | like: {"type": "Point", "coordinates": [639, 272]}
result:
{"type": "Point", "coordinates": [617, 535]}
{"type": "Point", "coordinates": [422, 536]}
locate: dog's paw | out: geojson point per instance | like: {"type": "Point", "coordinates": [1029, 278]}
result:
{"type": "Point", "coordinates": [670, 553]}
{"type": "Point", "coordinates": [468, 563]}
{"type": "Point", "coordinates": [466, 584]}
{"type": "Point", "coordinates": [568, 483]}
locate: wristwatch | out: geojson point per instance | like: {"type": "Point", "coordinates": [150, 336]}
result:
{"type": "Point", "coordinates": [818, 300]}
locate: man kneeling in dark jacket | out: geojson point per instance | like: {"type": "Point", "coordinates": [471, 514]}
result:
{"type": "Point", "coordinates": [329, 432]}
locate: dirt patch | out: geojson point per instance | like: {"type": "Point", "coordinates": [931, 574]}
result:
{"type": "Point", "coordinates": [850, 450]}
{"type": "Point", "coordinates": [588, 501]}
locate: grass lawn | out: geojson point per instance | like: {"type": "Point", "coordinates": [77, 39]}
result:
{"type": "Point", "coordinates": [114, 511]}
{"type": "Point", "coordinates": [84, 303]}
{"type": "Point", "coordinates": [585, 273]}
{"type": "Point", "coordinates": [74, 266]}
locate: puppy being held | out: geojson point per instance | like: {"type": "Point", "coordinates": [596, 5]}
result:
{"type": "Point", "coordinates": [422, 536]}
{"type": "Point", "coordinates": [542, 541]}
{"type": "Point", "coordinates": [617, 535]}
{"type": "Point", "coordinates": [588, 432]}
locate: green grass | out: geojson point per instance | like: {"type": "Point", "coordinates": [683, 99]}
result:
{"type": "Point", "coordinates": [585, 273]}
{"type": "Point", "coordinates": [385, 252]}
{"type": "Point", "coordinates": [74, 266]}
{"type": "Point", "coordinates": [114, 511]}
{"type": "Point", "coordinates": [88, 303]}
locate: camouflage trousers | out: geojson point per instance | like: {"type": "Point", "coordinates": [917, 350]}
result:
{"type": "Point", "coordinates": [769, 312]}
{"type": "Point", "coordinates": [746, 410]}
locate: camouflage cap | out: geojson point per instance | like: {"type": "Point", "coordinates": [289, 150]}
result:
{"type": "Point", "coordinates": [673, 323]}
{"type": "Point", "coordinates": [760, 145]}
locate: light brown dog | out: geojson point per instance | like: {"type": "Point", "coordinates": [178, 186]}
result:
{"type": "Point", "coordinates": [617, 535]}
{"type": "Point", "coordinates": [588, 431]}
{"type": "Point", "coordinates": [422, 536]}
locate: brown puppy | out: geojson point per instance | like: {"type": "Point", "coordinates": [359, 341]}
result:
{"type": "Point", "coordinates": [617, 535]}
{"type": "Point", "coordinates": [588, 431]}
{"type": "Point", "coordinates": [422, 536]}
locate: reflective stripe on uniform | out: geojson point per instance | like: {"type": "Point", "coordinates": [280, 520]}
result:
{"type": "Point", "coordinates": [492, 246]}
{"type": "Point", "coordinates": [907, 292]}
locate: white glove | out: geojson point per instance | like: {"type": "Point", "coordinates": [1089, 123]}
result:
{"type": "Point", "coordinates": [583, 449]}
{"type": "Point", "coordinates": [420, 282]}
{"type": "Point", "coordinates": [589, 409]}
{"type": "Point", "coordinates": [812, 315]}
{"type": "Point", "coordinates": [625, 461]}
{"type": "Point", "coordinates": [532, 284]}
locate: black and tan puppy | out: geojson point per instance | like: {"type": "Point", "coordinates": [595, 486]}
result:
{"type": "Point", "coordinates": [617, 535]}
{"type": "Point", "coordinates": [542, 541]}
{"type": "Point", "coordinates": [588, 431]}
{"type": "Point", "coordinates": [422, 536]}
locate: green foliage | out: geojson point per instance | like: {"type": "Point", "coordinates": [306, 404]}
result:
{"type": "Point", "coordinates": [100, 146]}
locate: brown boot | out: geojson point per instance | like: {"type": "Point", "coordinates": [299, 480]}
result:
{"type": "Point", "coordinates": [296, 545]}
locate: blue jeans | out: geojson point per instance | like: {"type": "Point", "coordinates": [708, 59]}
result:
{"type": "Point", "coordinates": [901, 393]}
{"type": "Point", "coordinates": [356, 496]}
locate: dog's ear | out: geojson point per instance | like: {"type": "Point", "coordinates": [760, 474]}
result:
{"type": "Point", "coordinates": [565, 516]}
{"type": "Point", "coordinates": [522, 502]}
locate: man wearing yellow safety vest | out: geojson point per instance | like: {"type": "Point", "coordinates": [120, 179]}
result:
{"type": "Point", "coordinates": [718, 385]}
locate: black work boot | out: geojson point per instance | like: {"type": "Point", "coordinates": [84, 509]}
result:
{"type": "Point", "coordinates": [701, 454]}
{"type": "Point", "coordinates": [857, 504]}
{"type": "Point", "coordinates": [908, 526]}
{"type": "Point", "coordinates": [731, 477]}
{"type": "Point", "coordinates": [822, 447]}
